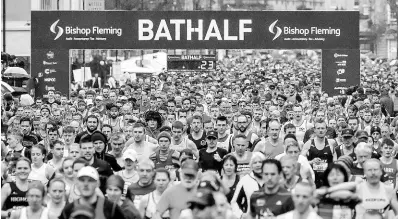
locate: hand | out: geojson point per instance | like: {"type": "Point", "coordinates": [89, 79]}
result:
{"type": "Point", "coordinates": [316, 160]}
{"type": "Point", "coordinates": [217, 157]}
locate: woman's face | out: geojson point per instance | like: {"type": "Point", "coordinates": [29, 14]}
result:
{"type": "Point", "coordinates": [256, 166]}
{"type": "Point", "coordinates": [22, 170]}
{"type": "Point", "coordinates": [35, 197]}
{"type": "Point", "coordinates": [229, 167]}
{"type": "Point", "coordinates": [335, 177]}
{"type": "Point", "coordinates": [37, 156]}
{"type": "Point", "coordinates": [57, 192]}
{"type": "Point", "coordinates": [114, 193]}
{"type": "Point", "coordinates": [99, 146]}
{"type": "Point", "coordinates": [67, 168]}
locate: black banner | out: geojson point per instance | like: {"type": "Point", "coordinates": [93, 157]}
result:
{"type": "Point", "coordinates": [195, 30]}
{"type": "Point", "coordinates": [51, 68]}
{"type": "Point", "coordinates": [340, 70]}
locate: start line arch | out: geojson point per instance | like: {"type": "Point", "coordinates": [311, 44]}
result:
{"type": "Point", "coordinates": [54, 33]}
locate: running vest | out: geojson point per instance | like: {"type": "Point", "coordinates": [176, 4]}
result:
{"type": "Point", "coordinates": [226, 144]}
{"type": "Point", "coordinates": [243, 163]}
{"type": "Point", "coordinates": [115, 127]}
{"type": "Point", "coordinates": [390, 171]}
{"type": "Point", "coordinates": [150, 208]}
{"type": "Point", "coordinates": [200, 143]}
{"type": "Point", "coordinates": [168, 163]}
{"type": "Point", "coordinates": [181, 146]}
{"type": "Point", "coordinates": [17, 198]}
{"type": "Point", "coordinates": [340, 151]}
{"type": "Point", "coordinates": [39, 174]}
{"type": "Point", "coordinates": [43, 215]}
{"type": "Point", "coordinates": [300, 130]}
{"type": "Point", "coordinates": [326, 157]}
{"type": "Point", "coordinates": [373, 201]}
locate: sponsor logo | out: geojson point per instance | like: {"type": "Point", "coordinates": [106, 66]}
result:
{"type": "Point", "coordinates": [49, 71]}
{"type": "Point", "coordinates": [341, 80]}
{"type": "Point", "coordinates": [341, 63]}
{"type": "Point", "coordinates": [49, 88]}
{"type": "Point", "coordinates": [260, 202]}
{"type": "Point", "coordinates": [49, 79]}
{"type": "Point", "coordinates": [50, 55]}
{"type": "Point", "coordinates": [49, 63]}
{"type": "Point", "coordinates": [340, 71]}
{"type": "Point", "coordinates": [59, 32]}
{"type": "Point", "coordinates": [336, 55]}
{"type": "Point", "coordinates": [278, 30]}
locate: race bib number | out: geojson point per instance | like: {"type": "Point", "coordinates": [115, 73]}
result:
{"type": "Point", "coordinates": [341, 213]}
{"type": "Point", "coordinates": [320, 167]}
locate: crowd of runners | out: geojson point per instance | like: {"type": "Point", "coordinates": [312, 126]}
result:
{"type": "Point", "coordinates": [249, 140]}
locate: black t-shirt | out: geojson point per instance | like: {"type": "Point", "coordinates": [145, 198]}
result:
{"type": "Point", "coordinates": [207, 161]}
{"type": "Point", "coordinates": [278, 203]}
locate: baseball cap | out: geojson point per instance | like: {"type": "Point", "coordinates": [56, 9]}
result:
{"type": "Point", "coordinates": [190, 167]}
{"type": "Point", "coordinates": [375, 129]}
{"type": "Point", "coordinates": [99, 98]}
{"type": "Point", "coordinates": [202, 197]}
{"type": "Point", "coordinates": [362, 134]}
{"type": "Point", "coordinates": [88, 171]}
{"type": "Point", "coordinates": [212, 134]}
{"type": "Point", "coordinates": [347, 133]}
{"type": "Point", "coordinates": [130, 154]}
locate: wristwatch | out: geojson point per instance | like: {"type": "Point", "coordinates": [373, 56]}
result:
{"type": "Point", "coordinates": [9, 214]}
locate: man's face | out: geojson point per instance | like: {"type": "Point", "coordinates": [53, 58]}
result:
{"type": "Point", "coordinates": [117, 146]}
{"type": "Point", "coordinates": [182, 115]}
{"type": "Point", "coordinates": [208, 126]}
{"type": "Point", "coordinates": [92, 124]}
{"type": "Point", "coordinates": [320, 115]}
{"type": "Point", "coordinates": [86, 185]}
{"type": "Point", "coordinates": [145, 172]}
{"type": "Point", "coordinates": [377, 119]}
{"type": "Point", "coordinates": [241, 145]}
{"type": "Point", "coordinates": [242, 123]}
{"type": "Point", "coordinates": [302, 198]}
{"type": "Point", "coordinates": [222, 126]}
{"type": "Point", "coordinates": [293, 151]}
{"type": "Point", "coordinates": [87, 150]}
{"type": "Point", "coordinates": [200, 110]}
{"type": "Point", "coordinates": [271, 176]}
{"type": "Point", "coordinates": [186, 104]}
{"type": "Point", "coordinates": [385, 132]}
{"type": "Point", "coordinates": [177, 133]}
{"type": "Point", "coordinates": [291, 131]}
{"type": "Point", "coordinates": [348, 140]}
{"type": "Point", "coordinates": [211, 142]}
{"type": "Point", "coordinates": [372, 172]}
{"type": "Point", "coordinates": [164, 144]}
{"type": "Point", "coordinates": [320, 129]}
{"type": "Point", "coordinates": [257, 115]}
{"type": "Point", "coordinates": [171, 107]}
{"type": "Point", "coordinates": [74, 151]}
{"type": "Point", "coordinates": [58, 150]}
{"type": "Point", "coordinates": [138, 134]}
{"type": "Point", "coordinates": [298, 113]}
{"type": "Point", "coordinates": [25, 127]}
{"type": "Point", "coordinates": [362, 156]}
{"type": "Point", "coordinates": [273, 130]}
{"type": "Point", "coordinates": [112, 96]}
{"type": "Point", "coordinates": [387, 150]}
{"type": "Point", "coordinates": [353, 124]}
{"type": "Point", "coordinates": [367, 116]}
{"type": "Point", "coordinates": [52, 136]}
{"type": "Point", "coordinates": [214, 112]}
{"type": "Point", "coordinates": [196, 125]}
